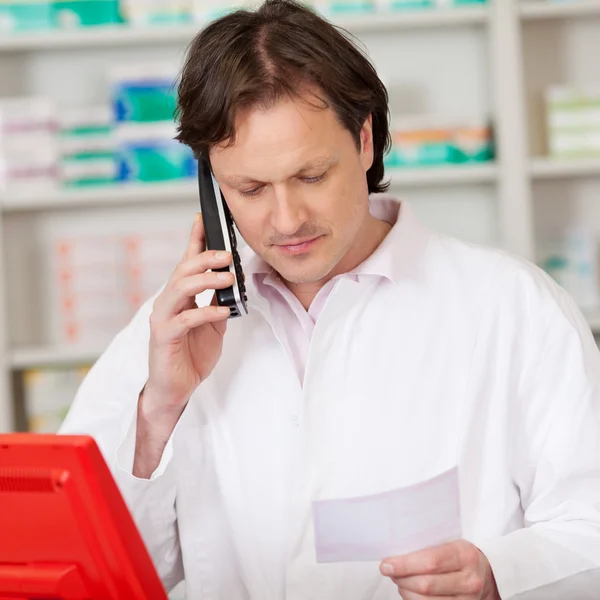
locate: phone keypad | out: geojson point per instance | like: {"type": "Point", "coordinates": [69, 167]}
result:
{"type": "Point", "coordinates": [237, 263]}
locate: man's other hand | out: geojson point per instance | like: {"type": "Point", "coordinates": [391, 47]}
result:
{"type": "Point", "coordinates": [455, 570]}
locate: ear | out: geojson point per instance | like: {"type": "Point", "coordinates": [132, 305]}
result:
{"type": "Point", "coordinates": [366, 143]}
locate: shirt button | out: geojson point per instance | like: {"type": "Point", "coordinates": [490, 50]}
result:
{"type": "Point", "coordinates": [295, 420]}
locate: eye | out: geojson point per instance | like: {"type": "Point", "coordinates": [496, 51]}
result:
{"type": "Point", "coordinates": [252, 192]}
{"type": "Point", "coordinates": [315, 179]}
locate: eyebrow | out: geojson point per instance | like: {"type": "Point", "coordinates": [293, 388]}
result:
{"type": "Point", "coordinates": [319, 163]}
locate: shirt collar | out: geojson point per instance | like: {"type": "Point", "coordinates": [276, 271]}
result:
{"type": "Point", "coordinates": [395, 258]}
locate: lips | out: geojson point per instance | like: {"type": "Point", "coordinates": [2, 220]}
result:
{"type": "Point", "coordinates": [299, 247]}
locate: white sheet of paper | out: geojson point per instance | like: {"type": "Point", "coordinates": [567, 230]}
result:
{"type": "Point", "coordinates": [388, 524]}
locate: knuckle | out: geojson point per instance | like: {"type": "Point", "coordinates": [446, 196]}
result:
{"type": "Point", "coordinates": [207, 311]}
{"type": "Point", "coordinates": [427, 586]}
{"type": "Point", "coordinates": [184, 318]}
{"type": "Point", "coordinates": [177, 286]}
{"type": "Point", "coordinates": [474, 583]}
{"type": "Point", "coordinates": [179, 270]}
{"type": "Point", "coordinates": [433, 563]}
{"type": "Point", "coordinates": [470, 554]}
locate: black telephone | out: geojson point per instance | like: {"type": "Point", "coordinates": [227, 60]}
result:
{"type": "Point", "coordinates": [220, 235]}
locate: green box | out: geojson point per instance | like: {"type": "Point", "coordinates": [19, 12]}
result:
{"type": "Point", "coordinates": [23, 15]}
{"type": "Point", "coordinates": [466, 2]}
{"type": "Point", "coordinates": [26, 15]}
{"type": "Point", "coordinates": [84, 13]}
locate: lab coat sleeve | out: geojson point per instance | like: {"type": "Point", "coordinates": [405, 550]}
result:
{"type": "Point", "coordinates": [556, 462]}
{"type": "Point", "coordinates": [105, 407]}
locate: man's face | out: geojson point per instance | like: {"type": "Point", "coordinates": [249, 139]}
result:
{"type": "Point", "coordinates": [296, 186]}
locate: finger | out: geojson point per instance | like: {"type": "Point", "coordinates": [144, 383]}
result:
{"type": "Point", "coordinates": [178, 294]}
{"type": "Point", "coordinates": [194, 317]}
{"type": "Point", "coordinates": [210, 259]}
{"type": "Point", "coordinates": [440, 559]}
{"type": "Point", "coordinates": [458, 583]}
{"type": "Point", "coordinates": [196, 244]}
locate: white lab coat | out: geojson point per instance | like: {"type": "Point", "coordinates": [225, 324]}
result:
{"type": "Point", "coordinates": [466, 356]}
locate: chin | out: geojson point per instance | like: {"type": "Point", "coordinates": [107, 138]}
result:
{"type": "Point", "coordinates": [303, 276]}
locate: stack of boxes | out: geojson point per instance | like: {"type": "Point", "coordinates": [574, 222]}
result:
{"type": "Point", "coordinates": [130, 141]}
{"type": "Point", "coordinates": [570, 255]}
{"type": "Point", "coordinates": [335, 7]}
{"type": "Point", "coordinates": [571, 258]}
{"type": "Point", "coordinates": [427, 141]}
{"type": "Point", "coordinates": [48, 396]}
{"type": "Point", "coordinates": [156, 12]}
{"type": "Point", "coordinates": [19, 15]}
{"type": "Point", "coordinates": [28, 149]}
{"type": "Point", "coordinates": [87, 289]}
{"type": "Point", "coordinates": [99, 281]}
{"type": "Point", "coordinates": [24, 15]}
{"type": "Point", "coordinates": [149, 259]}
{"type": "Point", "coordinates": [573, 121]}
{"type": "Point", "coordinates": [144, 101]}
{"type": "Point", "coordinates": [87, 147]}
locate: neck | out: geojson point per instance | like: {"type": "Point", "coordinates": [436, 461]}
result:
{"type": "Point", "coordinates": [371, 234]}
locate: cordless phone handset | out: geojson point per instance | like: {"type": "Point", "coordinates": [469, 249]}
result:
{"type": "Point", "coordinates": [220, 235]}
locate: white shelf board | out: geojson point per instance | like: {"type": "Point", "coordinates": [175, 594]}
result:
{"type": "Point", "coordinates": [549, 168]}
{"type": "Point", "coordinates": [451, 175]}
{"type": "Point", "coordinates": [50, 356]}
{"type": "Point", "coordinates": [123, 35]}
{"type": "Point", "coordinates": [100, 196]}
{"type": "Point", "coordinates": [101, 36]}
{"type": "Point", "coordinates": [559, 9]}
{"type": "Point", "coordinates": [187, 190]}
{"type": "Point", "coordinates": [64, 356]}
{"type": "Point", "coordinates": [410, 19]}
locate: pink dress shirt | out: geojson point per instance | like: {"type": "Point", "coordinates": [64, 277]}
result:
{"type": "Point", "coordinates": [295, 324]}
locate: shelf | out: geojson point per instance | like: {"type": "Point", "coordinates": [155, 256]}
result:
{"type": "Point", "coordinates": [560, 9]}
{"type": "Point", "coordinates": [65, 356]}
{"type": "Point", "coordinates": [435, 176]}
{"type": "Point", "coordinates": [101, 196]}
{"type": "Point", "coordinates": [117, 35]}
{"type": "Point", "coordinates": [59, 356]}
{"type": "Point", "coordinates": [123, 35]}
{"type": "Point", "coordinates": [424, 18]}
{"type": "Point", "coordinates": [549, 168]}
{"type": "Point", "coordinates": [187, 190]}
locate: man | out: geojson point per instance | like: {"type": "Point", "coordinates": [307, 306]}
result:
{"type": "Point", "coordinates": [376, 354]}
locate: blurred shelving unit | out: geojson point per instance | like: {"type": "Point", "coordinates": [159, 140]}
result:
{"type": "Point", "coordinates": [105, 196]}
{"type": "Point", "coordinates": [53, 356]}
{"type": "Point", "coordinates": [68, 356]}
{"type": "Point", "coordinates": [560, 41]}
{"type": "Point", "coordinates": [436, 176]}
{"type": "Point", "coordinates": [118, 36]}
{"type": "Point", "coordinates": [549, 168]}
{"type": "Point", "coordinates": [476, 59]}
{"type": "Point", "coordinates": [462, 30]}
{"type": "Point", "coordinates": [537, 9]}
{"type": "Point", "coordinates": [144, 194]}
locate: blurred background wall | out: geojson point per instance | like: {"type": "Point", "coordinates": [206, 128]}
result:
{"type": "Point", "coordinates": [496, 124]}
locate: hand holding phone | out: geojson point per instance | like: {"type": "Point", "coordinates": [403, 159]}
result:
{"type": "Point", "coordinates": [185, 346]}
{"type": "Point", "coordinates": [220, 235]}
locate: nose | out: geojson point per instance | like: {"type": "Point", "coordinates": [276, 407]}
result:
{"type": "Point", "coordinates": [288, 211]}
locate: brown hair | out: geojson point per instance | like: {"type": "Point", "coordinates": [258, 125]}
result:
{"type": "Point", "coordinates": [253, 58]}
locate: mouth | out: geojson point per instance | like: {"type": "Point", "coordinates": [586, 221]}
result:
{"type": "Point", "coordinates": [298, 247]}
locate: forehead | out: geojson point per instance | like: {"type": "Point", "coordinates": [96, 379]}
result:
{"type": "Point", "coordinates": [291, 129]}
